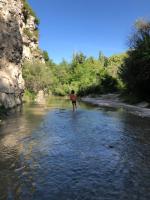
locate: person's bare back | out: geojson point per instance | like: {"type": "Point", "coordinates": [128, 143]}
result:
{"type": "Point", "coordinates": [73, 98]}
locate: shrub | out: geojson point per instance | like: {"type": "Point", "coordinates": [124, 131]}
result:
{"type": "Point", "coordinates": [37, 76]}
{"type": "Point", "coordinates": [29, 96]}
{"type": "Point", "coordinates": [27, 11]}
{"type": "Point", "coordinates": [31, 34]}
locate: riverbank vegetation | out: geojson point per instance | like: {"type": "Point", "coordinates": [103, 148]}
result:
{"type": "Point", "coordinates": [135, 70]}
{"type": "Point", "coordinates": [86, 75]}
{"type": "Point", "coordinates": [127, 73]}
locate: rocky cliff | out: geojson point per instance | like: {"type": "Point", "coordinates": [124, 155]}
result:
{"type": "Point", "coordinates": [18, 42]}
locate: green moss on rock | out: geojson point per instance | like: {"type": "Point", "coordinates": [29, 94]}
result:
{"type": "Point", "coordinates": [31, 34]}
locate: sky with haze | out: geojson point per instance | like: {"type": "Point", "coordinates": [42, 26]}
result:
{"type": "Point", "coordinates": [89, 26]}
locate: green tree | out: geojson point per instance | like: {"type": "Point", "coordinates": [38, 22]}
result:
{"type": "Point", "coordinates": [37, 76]}
{"type": "Point", "coordinates": [102, 59]}
{"type": "Point", "coordinates": [78, 58]}
{"type": "Point", "coordinates": [114, 63]}
{"type": "Point", "coordinates": [135, 71]}
{"type": "Point", "coordinates": [46, 56]}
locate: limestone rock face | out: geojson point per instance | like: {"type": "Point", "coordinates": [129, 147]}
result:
{"type": "Point", "coordinates": [18, 41]}
{"type": "Point", "coordinates": [40, 99]}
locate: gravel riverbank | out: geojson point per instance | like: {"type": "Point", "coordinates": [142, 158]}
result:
{"type": "Point", "coordinates": [113, 101]}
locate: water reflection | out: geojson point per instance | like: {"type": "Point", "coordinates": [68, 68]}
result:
{"type": "Point", "coordinates": [48, 152]}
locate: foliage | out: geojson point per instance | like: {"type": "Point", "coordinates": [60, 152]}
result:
{"type": "Point", "coordinates": [46, 56]}
{"type": "Point", "coordinates": [106, 84]}
{"type": "Point", "coordinates": [135, 71]}
{"type": "Point", "coordinates": [27, 11]}
{"type": "Point", "coordinates": [78, 58]}
{"type": "Point", "coordinates": [131, 99]}
{"type": "Point", "coordinates": [36, 76]}
{"type": "Point", "coordinates": [103, 59]}
{"type": "Point", "coordinates": [113, 64]}
{"type": "Point", "coordinates": [49, 62]}
{"type": "Point", "coordinates": [32, 34]}
{"type": "Point", "coordinates": [36, 33]}
{"type": "Point", "coordinates": [29, 96]}
{"type": "Point", "coordinates": [85, 75]}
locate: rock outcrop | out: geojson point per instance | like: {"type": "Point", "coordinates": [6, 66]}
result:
{"type": "Point", "coordinates": [18, 42]}
{"type": "Point", "coordinates": [40, 98]}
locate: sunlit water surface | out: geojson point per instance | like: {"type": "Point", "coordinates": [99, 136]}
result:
{"type": "Point", "coordinates": [50, 153]}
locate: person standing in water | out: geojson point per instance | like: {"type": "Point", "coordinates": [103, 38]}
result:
{"type": "Point", "coordinates": [73, 98]}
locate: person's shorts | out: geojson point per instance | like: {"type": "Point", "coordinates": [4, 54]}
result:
{"type": "Point", "coordinates": [73, 102]}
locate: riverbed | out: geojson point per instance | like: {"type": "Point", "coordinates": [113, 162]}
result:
{"type": "Point", "coordinates": [48, 152]}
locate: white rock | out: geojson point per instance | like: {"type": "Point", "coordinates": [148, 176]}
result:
{"type": "Point", "coordinates": [14, 47]}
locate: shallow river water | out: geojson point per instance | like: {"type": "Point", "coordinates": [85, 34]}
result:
{"type": "Point", "coordinates": [50, 153]}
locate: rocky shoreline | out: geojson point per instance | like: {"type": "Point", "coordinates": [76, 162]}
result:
{"type": "Point", "coordinates": [113, 101]}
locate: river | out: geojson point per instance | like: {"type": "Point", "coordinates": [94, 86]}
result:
{"type": "Point", "coordinates": [50, 153]}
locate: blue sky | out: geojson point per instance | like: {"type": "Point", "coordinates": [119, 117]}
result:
{"type": "Point", "coordinates": [90, 26]}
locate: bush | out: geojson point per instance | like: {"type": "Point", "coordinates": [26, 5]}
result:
{"type": "Point", "coordinates": [33, 34]}
{"type": "Point", "coordinates": [37, 76]}
{"type": "Point", "coordinates": [27, 11]}
{"type": "Point", "coordinates": [29, 96]}
{"type": "Point", "coordinates": [84, 75]}
{"type": "Point", "coordinates": [106, 84]}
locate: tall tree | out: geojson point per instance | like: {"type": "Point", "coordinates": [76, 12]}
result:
{"type": "Point", "coordinates": [78, 58]}
{"type": "Point", "coordinates": [135, 72]}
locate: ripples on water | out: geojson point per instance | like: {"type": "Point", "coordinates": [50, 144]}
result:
{"type": "Point", "coordinates": [50, 153]}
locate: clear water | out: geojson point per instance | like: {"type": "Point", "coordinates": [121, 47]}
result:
{"type": "Point", "coordinates": [50, 153]}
